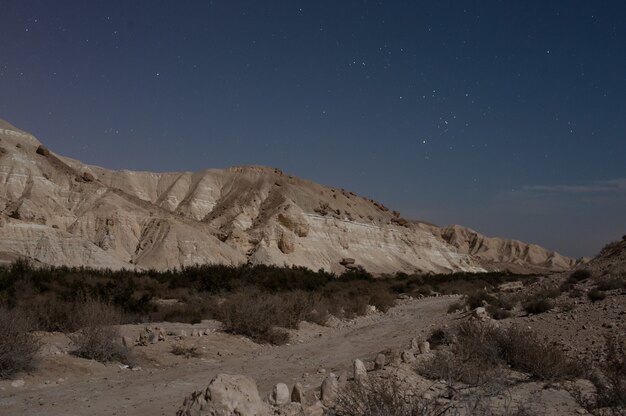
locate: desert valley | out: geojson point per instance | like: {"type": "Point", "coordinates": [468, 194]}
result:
{"type": "Point", "coordinates": [145, 287]}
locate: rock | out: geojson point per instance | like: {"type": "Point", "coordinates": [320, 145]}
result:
{"type": "Point", "coordinates": [183, 333]}
{"type": "Point", "coordinates": [18, 383]}
{"type": "Point", "coordinates": [161, 335]}
{"type": "Point", "coordinates": [480, 313]}
{"type": "Point", "coordinates": [343, 379]}
{"type": "Point", "coordinates": [225, 395]}
{"type": "Point", "coordinates": [127, 342]}
{"type": "Point", "coordinates": [360, 372]}
{"type": "Point", "coordinates": [316, 409]}
{"type": "Point", "coordinates": [414, 344]}
{"type": "Point", "coordinates": [329, 389]}
{"type": "Point", "coordinates": [143, 339]}
{"type": "Point", "coordinates": [380, 361]}
{"type": "Point", "coordinates": [285, 243]}
{"type": "Point", "coordinates": [407, 357]}
{"type": "Point", "coordinates": [280, 395]}
{"type": "Point", "coordinates": [297, 394]}
{"type": "Point", "coordinates": [43, 150]}
{"type": "Point", "coordinates": [346, 261]}
{"type": "Point", "coordinates": [88, 177]}
{"type": "Point", "coordinates": [424, 347]}
{"type": "Point", "coordinates": [195, 333]}
{"type": "Point", "coordinates": [371, 310]}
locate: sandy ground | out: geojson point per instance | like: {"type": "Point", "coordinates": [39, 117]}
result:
{"type": "Point", "coordinates": [65, 385]}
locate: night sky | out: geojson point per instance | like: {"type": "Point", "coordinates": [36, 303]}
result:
{"type": "Point", "coordinates": [505, 116]}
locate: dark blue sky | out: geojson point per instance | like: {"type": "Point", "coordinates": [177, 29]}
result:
{"type": "Point", "coordinates": [505, 116]}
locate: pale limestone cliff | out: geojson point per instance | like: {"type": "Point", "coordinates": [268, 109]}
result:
{"type": "Point", "coordinates": [58, 211]}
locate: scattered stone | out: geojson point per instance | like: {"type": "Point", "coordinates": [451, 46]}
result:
{"type": "Point", "coordinates": [316, 409]}
{"type": "Point", "coordinates": [424, 347]}
{"type": "Point", "coordinates": [329, 389]}
{"type": "Point", "coordinates": [127, 342]}
{"type": "Point", "coordinates": [380, 361]}
{"type": "Point", "coordinates": [88, 177]}
{"type": "Point", "coordinates": [280, 395]}
{"type": "Point", "coordinates": [480, 313]}
{"type": "Point", "coordinates": [360, 372]}
{"type": "Point", "coordinates": [297, 394]}
{"type": "Point", "coordinates": [346, 261]}
{"type": "Point", "coordinates": [43, 150]}
{"type": "Point", "coordinates": [18, 383]}
{"type": "Point", "coordinates": [407, 357]}
{"type": "Point", "coordinates": [286, 243]}
{"type": "Point", "coordinates": [343, 379]}
{"type": "Point", "coordinates": [143, 339]}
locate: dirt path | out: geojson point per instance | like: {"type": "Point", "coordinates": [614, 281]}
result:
{"type": "Point", "coordinates": [160, 388]}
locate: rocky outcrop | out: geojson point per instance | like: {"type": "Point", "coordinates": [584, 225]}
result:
{"type": "Point", "coordinates": [501, 254]}
{"type": "Point", "coordinates": [59, 211]}
{"type": "Point", "coordinates": [226, 395]}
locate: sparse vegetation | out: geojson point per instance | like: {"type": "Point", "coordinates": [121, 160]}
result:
{"type": "Point", "coordinates": [479, 351]}
{"type": "Point", "coordinates": [18, 346]}
{"type": "Point", "coordinates": [98, 336]}
{"type": "Point", "coordinates": [384, 397]}
{"type": "Point", "coordinates": [595, 295]}
{"type": "Point", "coordinates": [579, 275]}
{"type": "Point", "coordinates": [537, 305]}
{"type": "Point", "coordinates": [186, 351]}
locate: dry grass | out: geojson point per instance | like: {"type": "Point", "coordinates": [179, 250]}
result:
{"type": "Point", "coordinates": [18, 346]}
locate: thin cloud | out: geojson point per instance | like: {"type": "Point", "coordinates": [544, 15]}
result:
{"type": "Point", "coordinates": [612, 185]}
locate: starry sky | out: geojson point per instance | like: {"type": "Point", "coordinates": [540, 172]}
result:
{"type": "Point", "coordinates": [505, 116]}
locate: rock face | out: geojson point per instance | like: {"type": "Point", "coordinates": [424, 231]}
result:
{"type": "Point", "coordinates": [59, 211]}
{"type": "Point", "coordinates": [498, 253]}
{"type": "Point", "coordinates": [226, 395]}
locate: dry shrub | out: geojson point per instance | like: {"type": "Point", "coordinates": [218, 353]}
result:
{"type": "Point", "coordinates": [498, 313]}
{"type": "Point", "coordinates": [612, 390]}
{"type": "Point", "coordinates": [479, 351]}
{"type": "Point", "coordinates": [439, 337]}
{"type": "Point", "coordinates": [185, 351]}
{"type": "Point", "coordinates": [595, 295]}
{"type": "Point", "coordinates": [456, 307]}
{"type": "Point", "coordinates": [255, 315]}
{"type": "Point", "coordinates": [383, 398]}
{"type": "Point", "coordinates": [579, 275]}
{"type": "Point", "coordinates": [524, 351]}
{"type": "Point", "coordinates": [612, 284]}
{"type": "Point", "coordinates": [99, 335]}
{"type": "Point", "coordinates": [538, 305]}
{"type": "Point", "coordinates": [18, 346]}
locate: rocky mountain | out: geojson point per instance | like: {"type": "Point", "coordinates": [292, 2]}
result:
{"type": "Point", "coordinates": [59, 211]}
